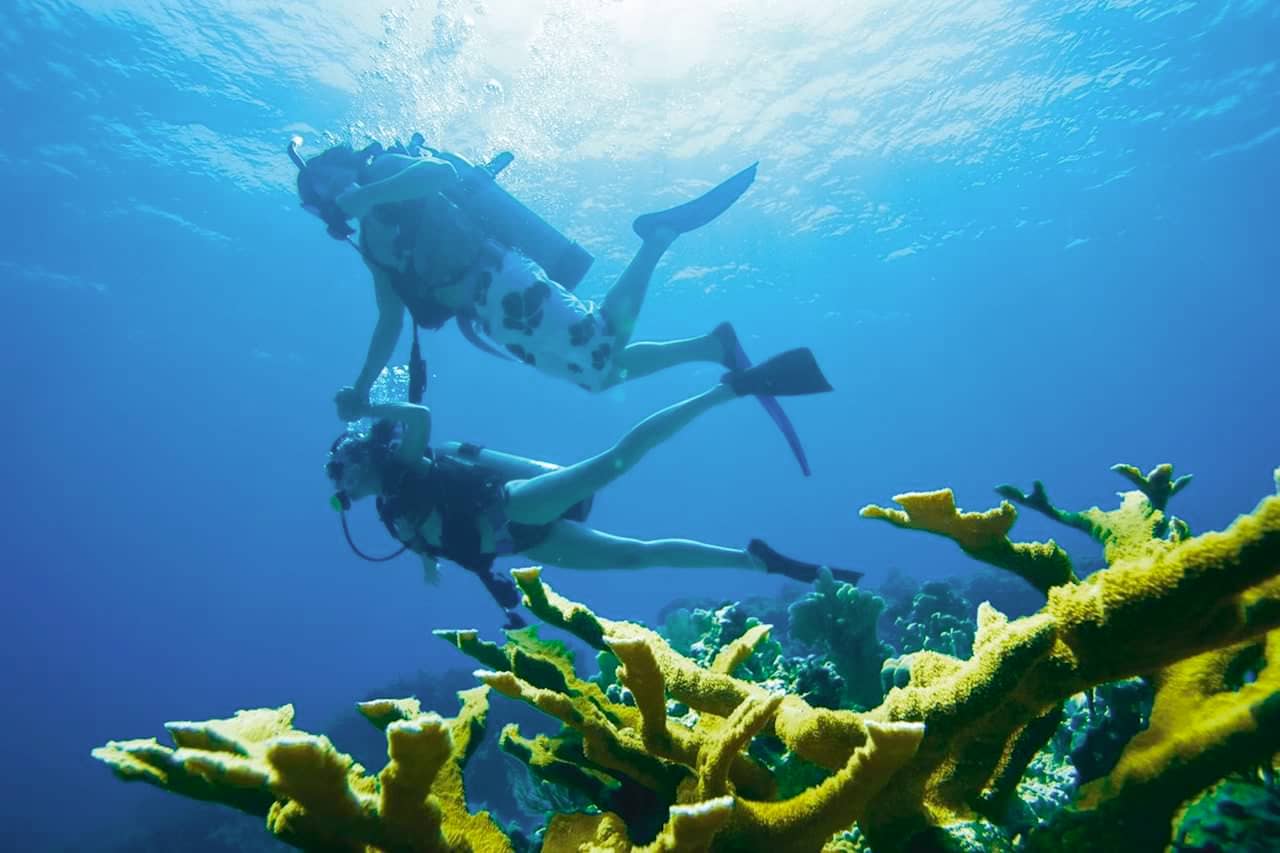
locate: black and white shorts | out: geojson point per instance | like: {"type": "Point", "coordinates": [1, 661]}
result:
{"type": "Point", "coordinates": [542, 323]}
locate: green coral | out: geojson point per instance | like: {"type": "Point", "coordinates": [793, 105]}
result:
{"type": "Point", "coordinates": [695, 632]}
{"type": "Point", "coordinates": [839, 620]}
{"type": "Point", "coordinates": [701, 634]}
{"type": "Point", "coordinates": [1101, 723]}
{"type": "Point", "coordinates": [1240, 813]}
{"type": "Point", "coordinates": [938, 621]}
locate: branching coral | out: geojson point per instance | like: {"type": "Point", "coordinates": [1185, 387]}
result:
{"type": "Point", "coordinates": [982, 535]}
{"type": "Point", "coordinates": [693, 766]}
{"type": "Point", "coordinates": [1141, 525]}
{"type": "Point", "coordinates": [313, 796]}
{"type": "Point", "coordinates": [1157, 485]}
{"type": "Point", "coordinates": [1144, 613]}
{"type": "Point", "coordinates": [1204, 724]}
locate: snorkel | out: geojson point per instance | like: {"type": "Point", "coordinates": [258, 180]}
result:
{"type": "Point", "coordinates": [292, 150]}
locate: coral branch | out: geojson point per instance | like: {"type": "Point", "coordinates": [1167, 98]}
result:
{"type": "Point", "coordinates": [315, 797]}
{"type": "Point", "coordinates": [982, 535]}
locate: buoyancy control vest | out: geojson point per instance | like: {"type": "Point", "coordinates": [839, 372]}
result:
{"type": "Point", "coordinates": [465, 484]}
{"type": "Point", "coordinates": [477, 203]}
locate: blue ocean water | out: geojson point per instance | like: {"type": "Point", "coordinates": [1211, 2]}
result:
{"type": "Point", "coordinates": [1026, 240]}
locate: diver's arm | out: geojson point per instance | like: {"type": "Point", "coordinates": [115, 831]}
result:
{"type": "Point", "coordinates": [426, 175]}
{"type": "Point", "coordinates": [417, 427]}
{"type": "Point", "coordinates": [385, 334]}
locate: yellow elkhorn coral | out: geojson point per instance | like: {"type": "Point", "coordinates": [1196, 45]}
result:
{"type": "Point", "coordinates": [315, 797]}
{"type": "Point", "coordinates": [982, 535]}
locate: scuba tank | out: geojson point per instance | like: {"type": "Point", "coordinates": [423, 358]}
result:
{"type": "Point", "coordinates": [506, 219]}
{"type": "Point", "coordinates": [511, 467]}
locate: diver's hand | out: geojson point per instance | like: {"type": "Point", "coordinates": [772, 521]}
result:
{"type": "Point", "coordinates": [352, 405]}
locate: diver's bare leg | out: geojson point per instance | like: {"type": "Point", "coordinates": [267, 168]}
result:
{"type": "Point", "coordinates": [644, 358]}
{"type": "Point", "coordinates": [623, 301]}
{"type": "Point", "coordinates": [544, 498]}
{"type": "Point", "coordinates": [576, 546]}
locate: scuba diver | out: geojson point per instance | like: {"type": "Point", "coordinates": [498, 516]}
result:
{"type": "Point", "coordinates": [471, 505]}
{"type": "Point", "coordinates": [443, 240]}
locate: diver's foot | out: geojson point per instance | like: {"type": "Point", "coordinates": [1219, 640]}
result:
{"type": "Point", "coordinates": [777, 564]}
{"type": "Point", "coordinates": [789, 374]}
{"type": "Point", "coordinates": [733, 356]}
{"type": "Point", "coordinates": [691, 215]}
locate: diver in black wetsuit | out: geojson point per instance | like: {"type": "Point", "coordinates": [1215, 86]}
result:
{"type": "Point", "coordinates": [443, 241]}
{"type": "Point", "coordinates": [439, 506]}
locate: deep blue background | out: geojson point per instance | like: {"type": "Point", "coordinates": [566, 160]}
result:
{"type": "Point", "coordinates": [1026, 241]}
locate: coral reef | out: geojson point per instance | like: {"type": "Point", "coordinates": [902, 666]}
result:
{"type": "Point", "coordinates": [702, 765]}
{"type": "Point", "coordinates": [701, 634]}
{"type": "Point", "coordinates": [961, 754]}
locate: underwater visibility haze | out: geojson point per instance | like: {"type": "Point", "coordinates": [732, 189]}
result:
{"type": "Point", "coordinates": [1026, 241]}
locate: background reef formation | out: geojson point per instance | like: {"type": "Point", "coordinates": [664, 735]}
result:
{"type": "Point", "coordinates": [690, 753]}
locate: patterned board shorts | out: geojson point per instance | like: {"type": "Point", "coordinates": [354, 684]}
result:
{"type": "Point", "coordinates": [543, 324]}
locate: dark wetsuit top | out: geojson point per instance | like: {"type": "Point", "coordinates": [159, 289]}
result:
{"type": "Point", "coordinates": [463, 493]}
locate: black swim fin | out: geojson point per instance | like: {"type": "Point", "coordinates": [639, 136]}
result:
{"type": "Point", "coordinates": [776, 564]}
{"type": "Point", "coordinates": [789, 374]}
{"type": "Point", "coordinates": [735, 358]}
{"type": "Point", "coordinates": [686, 217]}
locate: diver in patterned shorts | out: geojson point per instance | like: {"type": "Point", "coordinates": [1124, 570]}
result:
{"type": "Point", "coordinates": [443, 241]}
